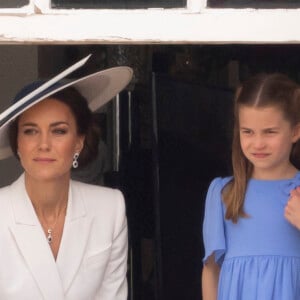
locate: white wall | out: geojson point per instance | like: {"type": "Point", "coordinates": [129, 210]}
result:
{"type": "Point", "coordinates": [18, 66]}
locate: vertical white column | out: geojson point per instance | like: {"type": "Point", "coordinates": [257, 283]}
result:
{"type": "Point", "coordinates": [196, 5]}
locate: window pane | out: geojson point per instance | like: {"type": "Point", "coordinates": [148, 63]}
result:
{"type": "Point", "coordinates": [254, 3]}
{"type": "Point", "coordinates": [117, 3]}
{"type": "Point", "coordinates": [13, 3]}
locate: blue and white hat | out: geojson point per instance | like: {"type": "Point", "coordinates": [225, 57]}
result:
{"type": "Point", "coordinates": [97, 88]}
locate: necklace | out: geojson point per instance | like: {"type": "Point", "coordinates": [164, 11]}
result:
{"type": "Point", "coordinates": [50, 229]}
{"type": "Point", "coordinates": [49, 235]}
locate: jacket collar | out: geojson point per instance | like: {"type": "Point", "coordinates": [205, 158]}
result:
{"type": "Point", "coordinates": [24, 212]}
{"type": "Point", "coordinates": [53, 278]}
{"type": "Point", "coordinates": [75, 236]}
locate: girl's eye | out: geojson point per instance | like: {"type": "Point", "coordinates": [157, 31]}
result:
{"type": "Point", "coordinates": [245, 131]}
{"type": "Point", "coordinates": [271, 131]}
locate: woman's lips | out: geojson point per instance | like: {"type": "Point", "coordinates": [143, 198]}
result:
{"type": "Point", "coordinates": [43, 159]}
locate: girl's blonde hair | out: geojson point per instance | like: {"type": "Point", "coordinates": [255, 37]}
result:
{"type": "Point", "coordinates": [262, 90]}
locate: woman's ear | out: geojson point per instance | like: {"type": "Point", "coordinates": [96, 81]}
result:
{"type": "Point", "coordinates": [80, 143]}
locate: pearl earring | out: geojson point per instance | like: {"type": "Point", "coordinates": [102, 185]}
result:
{"type": "Point", "coordinates": [75, 160]}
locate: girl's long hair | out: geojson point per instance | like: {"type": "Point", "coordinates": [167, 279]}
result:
{"type": "Point", "coordinates": [262, 90]}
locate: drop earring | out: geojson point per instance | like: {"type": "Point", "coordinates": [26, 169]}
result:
{"type": "Point", "coordinates": [75, 160]}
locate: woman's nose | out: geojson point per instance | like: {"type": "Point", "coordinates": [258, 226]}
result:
{"type": "Point", "coordinates": [44, 142]}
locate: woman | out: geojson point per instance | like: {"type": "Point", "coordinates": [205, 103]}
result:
{"type": "Point", "coordinates": [60, 239]}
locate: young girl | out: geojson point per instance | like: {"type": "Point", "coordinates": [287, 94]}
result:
{"type": "Point", "coordinates": [252, 248]}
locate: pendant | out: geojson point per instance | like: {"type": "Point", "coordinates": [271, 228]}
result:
{"type": "Point", "coordinates": [49, 236]}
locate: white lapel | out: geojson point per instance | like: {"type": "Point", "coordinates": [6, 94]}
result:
{"type": "Point", "coordinates": [75, 236]}
{"type": "Point", "coordinates": [33, 245]}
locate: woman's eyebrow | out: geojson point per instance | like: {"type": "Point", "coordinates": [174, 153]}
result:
{"type": "Point", "coordinates": [51, 125]}
{"type": "Point", "coordinates": [28, 124]}
{"type": "Point", "coordinates": [59, 123]}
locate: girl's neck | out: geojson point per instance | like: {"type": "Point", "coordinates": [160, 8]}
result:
{"type": "Point", "coordinates": [286, 172]}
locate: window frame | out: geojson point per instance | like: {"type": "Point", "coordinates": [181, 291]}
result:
{"type": "Point", "coordinates": [45, 7]}
{"type": "Point", "coordinates": [37, 23]}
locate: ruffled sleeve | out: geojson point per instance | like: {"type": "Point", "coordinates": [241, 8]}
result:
{"type": "Point", "coordinates": [288, 185]}
{"type": "Point", "coordinates": [213, 225]}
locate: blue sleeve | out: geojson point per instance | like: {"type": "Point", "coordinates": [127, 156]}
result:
{"type": "Point", "coordinates": [213, 225]}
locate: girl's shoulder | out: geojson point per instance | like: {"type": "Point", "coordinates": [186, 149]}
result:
{"type": "Point", "coordinates": [215, 188]}
{"type": "Point", "coordinates": [220, 182]}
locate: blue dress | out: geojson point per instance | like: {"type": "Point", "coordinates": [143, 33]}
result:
{"type": "Point", "coordinates": [259, 255]}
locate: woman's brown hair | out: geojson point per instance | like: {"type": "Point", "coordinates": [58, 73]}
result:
{"type": "Point", "coordinates": [262, 90]}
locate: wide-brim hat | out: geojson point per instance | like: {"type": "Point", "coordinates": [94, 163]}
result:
{"type": "Point", "coordinates": [97, 88]}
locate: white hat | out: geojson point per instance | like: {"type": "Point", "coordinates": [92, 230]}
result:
{"type": "Point", "coordinates": [97, 88]}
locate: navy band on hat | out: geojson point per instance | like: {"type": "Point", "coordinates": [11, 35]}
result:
{"type": "Point", "coordinates": [24, 92]}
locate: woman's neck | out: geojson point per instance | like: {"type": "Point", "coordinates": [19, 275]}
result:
{"type": "Point", "coordinates": [48, 198]}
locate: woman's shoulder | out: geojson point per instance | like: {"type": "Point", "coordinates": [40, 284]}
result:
{"type": "Point", "coordinates": [8, 194]}
{"type": "Point", "coordinates": [5, 189]}
{"type": "Point", "coordinates": [14, 186]}
{"type": "Point", "coordinates": [92, 187]}
{"type": "Point", "coordinates": [95, 195]}
{"type": "Point", "coordinates": [104, 205]}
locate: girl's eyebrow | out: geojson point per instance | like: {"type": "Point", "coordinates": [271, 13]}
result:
{"type": "Point", "coordinates": [267, 128]}
{"type": "Point", "coordinates": [271, 128]}
{"type": "Point", "coordinates": [243, 127]}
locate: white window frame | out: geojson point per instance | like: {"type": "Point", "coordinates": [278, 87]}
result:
{"type": "Point", "coordinates": [37, 23]}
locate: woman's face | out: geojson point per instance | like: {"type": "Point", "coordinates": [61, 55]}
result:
{"type": "Point", "coordinates": [266, 140]}
{"type": "Point", "coordinates": [47, 140]}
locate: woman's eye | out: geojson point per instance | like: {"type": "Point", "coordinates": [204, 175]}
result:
{"type": "Point", "coordinates": [29, 131]}
{"type": "Point", "coordinates": [59, 131]}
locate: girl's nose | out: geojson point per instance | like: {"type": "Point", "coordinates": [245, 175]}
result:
{"type": "Point", "coordinates": [259, 142]}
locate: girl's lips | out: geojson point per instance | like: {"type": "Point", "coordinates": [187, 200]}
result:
{"type": "Point", "coordinates": [260, 155]}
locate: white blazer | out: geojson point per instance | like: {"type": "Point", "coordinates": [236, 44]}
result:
{"type": "Point", "coordinates": [92, 259]}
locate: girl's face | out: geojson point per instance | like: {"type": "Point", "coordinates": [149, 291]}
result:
{"type": "Point", "coordinates": [266, 140]}
{"type": "Point", "coordinates": [47, 140]}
